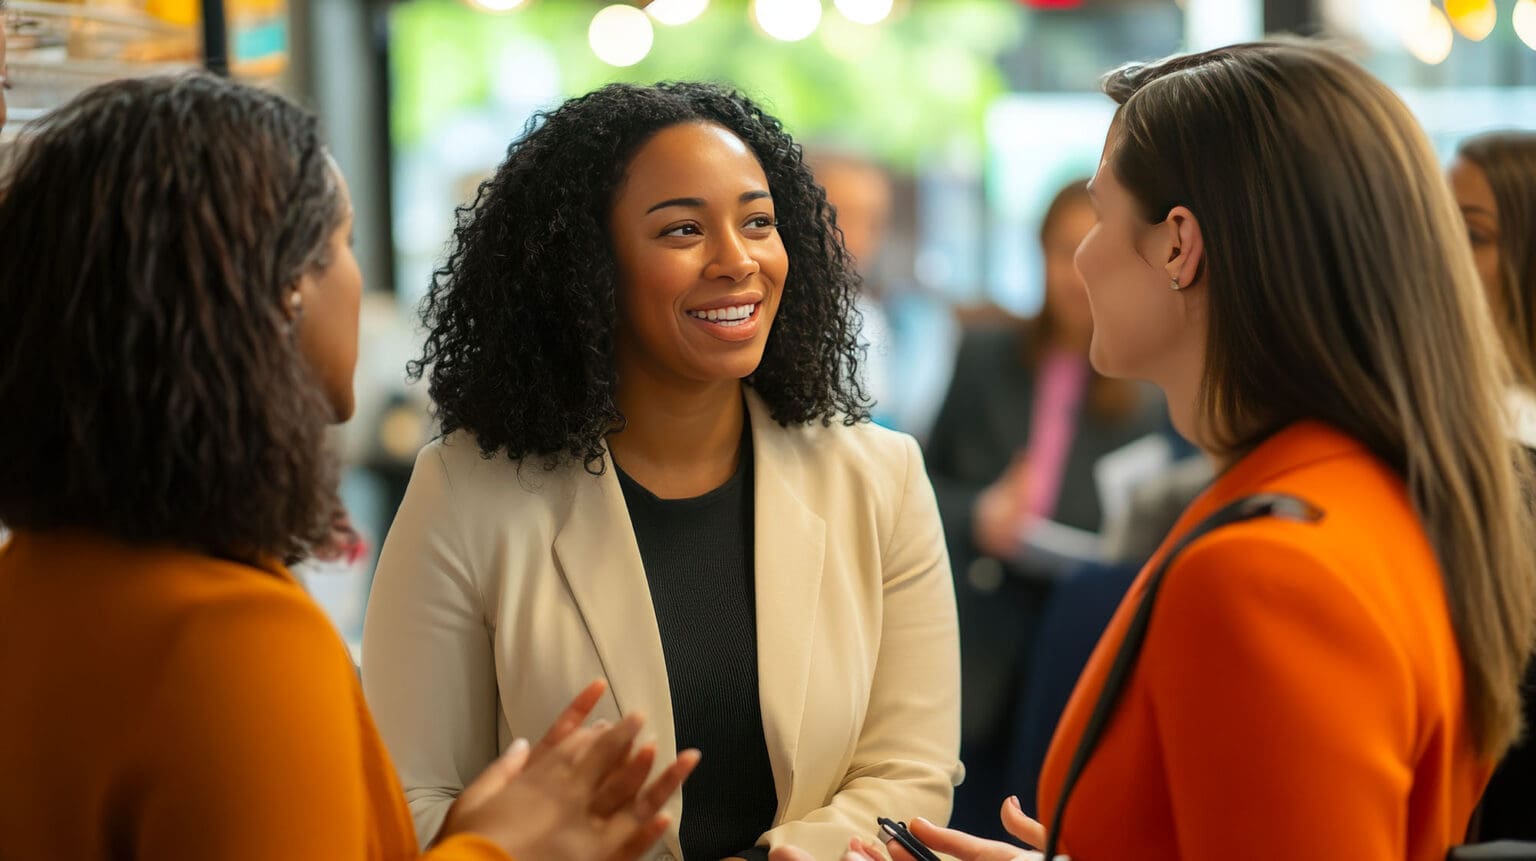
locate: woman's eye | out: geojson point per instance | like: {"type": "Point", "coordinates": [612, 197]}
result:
{"type": "Point", "coordinates": [763, 222]}
{"type": "Point", "coordinates": [682, 230]}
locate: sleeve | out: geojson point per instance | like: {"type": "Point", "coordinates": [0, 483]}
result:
{"type": "Point", "coordinates": [427, 664]}
{"type": "Point", "coordinates": [906, 760]}
{"type": "Point", "coordinates": [1282, 704]}
{"type": "Point", "coordinates": [260, 741]}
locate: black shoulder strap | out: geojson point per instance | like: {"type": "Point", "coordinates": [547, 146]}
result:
{"type": "Point", "coordinates": [1247, 508]}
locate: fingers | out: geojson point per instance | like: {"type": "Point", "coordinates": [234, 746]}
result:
{"type": "Point", "coordinates": [573, 717]}
{"type": "Point", "coordinates": [511, 763]}
{"type": "Point", "coordinates": [649, 803]}
{"type": "Point", "coordinates": [608, 751]}
{"type": "Point", "coordinates": [1018, 823]}
{"type": "Point", "coordinates": [643, 839]}
{"type": "Point", "coordinates": [951, 842]}
{"type": "Point", "coordinates": [858, 850]}
{"type": "Point", "coordinates": [495, 776]}
{"type": "Point", "coordinates": [620, 787]}
{"type": "Point", "coordinates": [666, 784]}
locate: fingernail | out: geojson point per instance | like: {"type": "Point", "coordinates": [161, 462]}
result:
{"type": "Point", "coordinates": [601, 724]}
{"type": "Point", "coordinates": [922, 820]}
{"type": "Point", "coordinates": [1014, 800]}
{"type": "Point", "coordinates": [518, 746]}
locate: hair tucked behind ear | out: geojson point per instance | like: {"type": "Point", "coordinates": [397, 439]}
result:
{"type": "Point", "coordinates": [1331, 241]}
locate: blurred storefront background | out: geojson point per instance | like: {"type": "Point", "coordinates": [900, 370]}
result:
{"type": "Point", "coordinates": [977, 111]}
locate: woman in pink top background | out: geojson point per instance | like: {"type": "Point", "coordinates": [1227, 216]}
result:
{"type": "Point", "coordinates": [1022, 426]}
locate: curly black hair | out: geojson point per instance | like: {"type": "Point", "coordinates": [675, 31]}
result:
{"type": "Point", "coordinates": [150, 380]}
{"type": "Point", "coordinates": [521, 317]}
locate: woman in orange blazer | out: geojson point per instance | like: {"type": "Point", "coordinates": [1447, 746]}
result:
{"type": "Point", "coordinates": [1277, 251]}
{"type": "Point", "coordinates": [178, 320]}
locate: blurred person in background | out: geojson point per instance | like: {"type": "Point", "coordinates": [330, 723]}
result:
{"type": "Point", "coordinates": [1081, 606]}
{"type": "Point", "coordinates": [1023, 425]}
{"type": "Point", "coordinates": [1273, 250]}
{"type": "Point", "coordinates": [1494, 180]}
{"type": "Point", "coordinates": [5, 77]}
{"type": "Point", "coordinates": [912, 335]}
{"type": "Point", "coordinates": [657, 467]}
{"type": "Point", "coordinates": [179, 320]}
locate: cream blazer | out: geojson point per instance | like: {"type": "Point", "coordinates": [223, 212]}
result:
{"type": "Point", "coordinates": [500, 595]}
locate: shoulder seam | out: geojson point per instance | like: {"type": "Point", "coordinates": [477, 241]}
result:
{"type": "Point", "coordinates": [458, 531]}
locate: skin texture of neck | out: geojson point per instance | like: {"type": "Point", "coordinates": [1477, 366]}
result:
{"type": "Point", "coordinates": [682, 439]}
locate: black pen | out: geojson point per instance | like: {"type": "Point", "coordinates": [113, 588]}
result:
{"type": "Point", "coordinates": [898, 832]}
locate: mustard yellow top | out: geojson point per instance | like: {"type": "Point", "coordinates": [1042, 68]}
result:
{"type": "Point", "coordinates": [158, 704]}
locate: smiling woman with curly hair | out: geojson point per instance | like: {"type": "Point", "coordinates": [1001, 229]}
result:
{"type": "Point", "coordinates": [657, 466]}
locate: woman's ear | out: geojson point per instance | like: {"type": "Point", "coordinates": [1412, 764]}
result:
{"type": "Point", "coordinates": [293, 301]}
{"type": "Point", "coordinates": [1188, 247]}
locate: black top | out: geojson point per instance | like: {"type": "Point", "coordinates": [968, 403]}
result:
{"type": "Point", "coordinates": [698, 561]}
{"type": "Point", "coordinates": [1508, 809]}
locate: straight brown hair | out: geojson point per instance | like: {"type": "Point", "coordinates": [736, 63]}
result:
{"type": "Point", "coordinates": [1343, 292]}
{"type": "Point", "coordinates": [1508, 160]}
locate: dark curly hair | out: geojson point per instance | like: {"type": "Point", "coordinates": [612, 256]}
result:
{"type": "Point", "coordinates": [150, 380]}
{"type": "Point", "coordinates": [521, 317]}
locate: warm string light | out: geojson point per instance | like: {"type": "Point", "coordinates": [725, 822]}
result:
{"type": "Point", "coordinates": [865, 11]}
{"type": "Point", "coordinates": [1474, 19]}
{"type": "Point", "coordinates": [1427, 34]}
{"type": "Point", "coordinates": [675, 13]}
{"type": "Point", "coordinates": [496, 6]}
{"type": "Point", "coordinates": [620, 35]}
{"type": "Point", "coordinates": [1524, 17]}
{"type": "Point", "coordinates": [787, 20]}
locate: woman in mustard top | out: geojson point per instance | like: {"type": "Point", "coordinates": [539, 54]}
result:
{"type": "Point", "coordinates": [179, 317]}
{"type": "Point", "coordinates": [1277, 251]}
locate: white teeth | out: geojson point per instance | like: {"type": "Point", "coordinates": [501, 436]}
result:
{"type": "Point", "coordinates": [732, 316]}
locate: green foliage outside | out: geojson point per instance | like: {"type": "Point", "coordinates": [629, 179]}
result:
{"type": "Point", "coordinates": [911, 86]}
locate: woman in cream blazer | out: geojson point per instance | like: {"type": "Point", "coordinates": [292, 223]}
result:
{"type": "Point", "coordinates": [515, 573]}
{"type": "Point", "coordinates": [498, 597]}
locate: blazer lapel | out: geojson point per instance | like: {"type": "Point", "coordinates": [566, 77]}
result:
{"type": "Point", "coordinates": [597, 554]}
{"type": "Point", "coordinates": [790, 546]}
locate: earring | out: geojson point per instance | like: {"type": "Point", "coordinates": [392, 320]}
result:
{"type": "Point", "coordinates": [1173, 284]}
{"type": "Point", "coordinates": [296, 301]}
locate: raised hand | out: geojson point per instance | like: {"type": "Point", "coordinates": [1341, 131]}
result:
{"type": "Point", "coordinates": [578, 795]}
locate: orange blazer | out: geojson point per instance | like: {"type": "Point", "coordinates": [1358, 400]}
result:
{"type": "Point", "coordinates": [160, 704]}
{"type": "Point", "coordinates": [1299, 693]}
